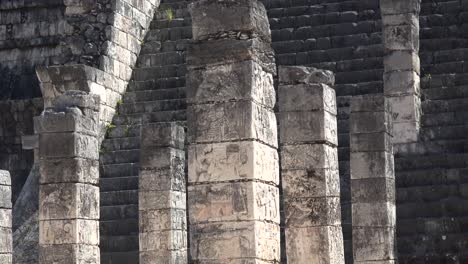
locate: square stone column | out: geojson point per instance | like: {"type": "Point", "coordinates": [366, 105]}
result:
{"type": "Point", "coordinates": [69, 175]}
{"type": "Point", "coordinates": [372, 180]}
{"type": "Point", "coordinates": [309, 166]}
{"type": "Point", "coordinates": [6, 238]}
{"type": "Point", "coordinates": [162, 195]}
{"type": "Point", "coordinates": [400, 26]}
{"type": "Point", "coordinates": [233, 171]}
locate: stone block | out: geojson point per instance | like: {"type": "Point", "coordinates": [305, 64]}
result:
{"type": "Point", "coordinates": [163, 240]}
{"type": "Point", "coordinates": [168, 134]}
{"type": "Point", "coordinates": [68, 145]}
{"type": "Point", "coordinates": [238, 201]}
{"type": "Point", "coordinates": [75, 98]}
{"type": "Point", "coordinates": [401, 83]}
{"type": "Point", "coordinates": [391, 7]}
{"type": "Point", "coordinates": [366, 165]}
{"type": "Point", "coordinates": [5, 178]}
{"type": "Point", "coordinates": [69, 170]}
{"type": "Point", "coordinates": [59, 122]}
{"type": "Point", "coordinates": [163, 179]}
{"type": "Point", "coordinates": [321, 244]}
{"type": "Point", "coordinates": [310, 212]}
{"type": "Point", "coordinates": [231, 121]}
{"type": "Point", "coordinates": [305, 75]}
{"type": "Point", "coordinates": [68, 201]}
{"type": "Point", "coordinates": [309, 157]}
{"type": "Point", "coordinates": [402, 37]}
{"type": "Point", "coordinates": [245, 160]}
{"type": "Point", "coordinates": [77, 231]}
{"type": "Point", "coordinates": [405, 109]}
{"type": "Point", "coordinates": [244, 80]}
{"type": "Point", "coordinates": [370, 103]}
{"type": "Point", "coordinates": [162, 220]}
{"type": "Point", "coordinates": [378, 214]}
{"type": "Point", "coordinates": [5, 197]}
{"type": "Point", "coordinates": [308, 127]}
{"type": "Point", "coordinates": [227, 242]}
{"type": "Point", "coordinates": [6, 240]}
{"type": "Point", "coordinates": [5, 218]}
{"type": "Point", "coordinates": [402, 61]}
{"type": "Point", "coordinates": [167, 257]}
{"type": "Point", "coordinates": [372, 142]}
{"type": "Point", "coordinates": [373, 243]}
{"type": "Point", "coordinates": [212, 18]}
{"type": "Point", "coordinates": [157, 200]}
{"type": "Point", "coordinates": [310, 183]}
{"type": "Point", "coordinates": [307, 97]}
{"type": "Point", "coordinates": [373, 190]}
{"type": "Point", "coordinates": [69, 254]}
{"type": "Point", "coordinates": [162, 158]}
{"type": "Point", "coordinates": [405, 132]}
{"type": "Point", "coordinates": [6, 258]}
{"type": "Point", "coordinates": [370, 122]}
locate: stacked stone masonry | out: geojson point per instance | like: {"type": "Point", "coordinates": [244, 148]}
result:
{"type": "Point", "coordinates": [6, 234]}
{"type": "Point", "coordinates": [69, 177]}
{"type": "Point", "coordinates": [309, 165]}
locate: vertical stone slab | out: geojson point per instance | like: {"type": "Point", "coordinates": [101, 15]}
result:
{"type": "Point", "coordinates": [372, 180]}
{"type": "Point", "coordinates": [309, 166]}
{"type": "Point", "coordinates": [6, 238]}
{"type": "Point", "coordinates": [400, 22]}
{"type": "Point", "coordinates": [162, 194]}
{"type": "Point", "coordinates": [69, 175]}
{"type": "Point", "coordinates": [233, 171]}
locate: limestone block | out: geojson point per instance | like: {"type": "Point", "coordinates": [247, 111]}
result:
{"type": "Point", "coordinates": [321, 244]}
{"type": "Point", "coordinates": [6, 258]}
{"type": "Point", "coordinates": [166, 257]}
{"type": "Point", "coordinates": [76, 98]}
{"type": "Point", "coordinates": [238, 201]}
{"type": "Point", "coordinates": [6, 240]}
{"type": "Point", "coordinates": [370, 122]}
{"type": "Point", "coordinates": [214, 17]}
{"type": "Point", "coordinates": [309, 157]}
{"type": "Point", "coordinates": [58, 145]}
{"type": "Point", "coordinates": [307, 97]}
{"type": "Point", "coordinates": [69, 254]}
{"type": "Point", "coordinates": [305, 75]}
{"type": "Point", "coordinates": [370, 103]}
{"type": "Point", "coordinates": [5, 178]}
{"type": "Point", "coordinates": [400, 83]}
{"type": "Point", "coordinates": [402, 37]}
{"type": "Point", "coordinates": [163, 179]}
{"type": "Point", "coordinates": [162, 135]}
{"type": "Point", "coordinates": [231, 81]}
{"type": "Point", "coordinates": [5, 218]}
{"type": "Point", "coordinates": [371, 142]}
{"type": "Point", "coordinates": [374, 214]}
{"type": "Point", "coordinates": [373, 190]}
{"type": "Point", "coordinates": [156, 200]}
{"type": "Point", "coordinates": [372, 165]}
{"type": "Point", "coordinates": [406, 108]}
{"type": "Point", "coordinates": [163, 240]}
{"type": "Point", "coordinates": [408, 19]}
{"type": "Point", "coordinates": [373, 243]}
{"type": "Point", "coordinates": [162, 158]}
{"type": "Point", "coordinates": [226, 242]}
{"type": "Point", "coordinates": [406, 132]}
{"type": "Point", "coordinates": [69, 170]}
{"type": "Point", "coordinates": [231, 121]}
{"type": "Point", "coordinates": [77, 231]}
{"type": "Point", "coordinates": [5, 197]}
{"type": "Point", "coordinates": [162, 220]}
{"type": "Point", "coordinates": [311, 183]}
{"type": "Point", "coordinates": [400, 6]}
{"type": "Point", "coordinates": [308, 212]}
{"type": "Point", "coordinates": [68, 201]}
{"type": "Point", "coordinates": [233, 161]}
{"type": "Point", "coordinates": [308, 127]}
{"type": "Point", "coordinates": [402, 61]}
{"type": "Point", "coordinates": [52, 122]}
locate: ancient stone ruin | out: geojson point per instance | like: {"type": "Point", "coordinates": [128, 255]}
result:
{"type": "Point", "coordinates": [233, 131]}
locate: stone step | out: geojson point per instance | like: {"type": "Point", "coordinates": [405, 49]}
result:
{"type": "Point", "coordinates": [119, 170]}
{"type": "Point", "coordinates": [444, 119]}
{"type": "Point", "coordinates": [119, 244]}
{"type": "Point", "coordinates": [161, 59]}
{"type": "Point", "coordinates": [159, 72]}
{"type": "Point", "coordinates": [438, 106]}
{"type": "Point", "coordinates": [124, 143]}
{"type": "Point", "coordinates": [153, 106]}
{"type": "Point", "coordinates": [154, 95]}
{"type": "Point", "coordinates": [440, 160]}
{"type": "Point", "coordinates": [119, 257]}
{"type": "Point", "coordinates": [119, 183]}
{"type": "Point", "coordinates": [124, 130]}
{"type": "Point", "coordinates": [445, 92]}
{"type": "Point", "coordinates": [120, 156]}
{"type": "Point", "coordinates": [307, 7]}
{"type": "Point", "coordinates": [116, 212]}
{"type": "Point", "coordinates": [121, 227]}
{"type": "Point", "coordinates": [121, 197]}
{"type": "Point", "coordinates": [165, 22]}
{"type": "Point", "coordinates": [431, 147]}
{"type": "Point", "coordinates": [168, 116]}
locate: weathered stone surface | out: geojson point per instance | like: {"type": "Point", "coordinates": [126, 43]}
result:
{"type": "Point", "coordinates": [69, 254]}
{"type": "Point", "coordinates": [402, 61]}
{"type": "Point", "coordinates": [373, 190]}
{"type": "Point", "coordinates": [305, 75]}
{"type": "Point", "coordinates": [52, 122]}
{"type": "Point", "coordinates": [321, 244]}
{"type": "Point", "coordinates": [390, 7]}
{"type": "Point", "coordinates": [162, 135]}
{"type": "Point", "coordinates": [307, 97]}
{"type": "Point", "coordinates": [401, 83]}
{"type": "Point", "coordinates": [162, 220]}
{"type": "Point", "coordinates": [371, 142]}
{"type": "Point", "coordinates": [308, 157]}
{"type": "Point", "coordinates": [369, 103]}
{"type": "Point", "coordinates": [370, 122]}
{"type": "Point", "coordinates": [212, 18]}
{"type": "Point", "coordinates": [366, 165]}
{"type": "Point", "coordinates": [5, 178]}
{"type": "Point", "coordinates": [68, 145]}
{"type": "Point", "coordinates": [163, 240]}
{"type": "Point", "coordinates": [162, 158]}
{"type": "Point", "coordinates": [233, 81]}
{"type": "Point", "coordinates": [169, 257]}
{"type": "Point", "coordinates": [5, 218]}
{"type": "Point", "coordinates": [373, 243]}
{"type": "Point", "coordinates": [231, 121]}
{"type": "Point", "coordinates": [6, 240]}
{"type": "Point", "coordinates": [6, 258]}
{"type": "Point", "coordinates": [163, 179]}
{"type": "Point", "coordinates": [374, 214]}
{"type": "Point", "coordinates": [310, 212]}
{"type": "Point", "coordinates": [409, 108]}
{"type": "Point", "coordinates": [233, 161]}
{"type": "Point", "coordinates": [406, 132]}
{"type": "Point", "coordinates": [225, 242]}
{"type": "Point", "coordinates": [151, 200]}
{"type": "Point", "coordinates": [311, 183]}
{"type": "Point", "coordinates": [69, 170]}
{"type": "Point", "coordinates": [76, 231]}
{"type": "Point", "coordinates": [5, 197]}
{"type": "Point", "coordinates": [240, 201]}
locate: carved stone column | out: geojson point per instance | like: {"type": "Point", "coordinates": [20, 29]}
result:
{"type": "Point", "coordinates": [309, 166]}
{"type": "Point", "coordinates": [6, 239]}
{"type": "Point", "coordinates": [162, 195]}
{"type": "Point", "coordinates": [233, 173]}
{"type": "Point", "coordinates": [372, 180]}
{"type": "Point", "coordinates": [68, 191]}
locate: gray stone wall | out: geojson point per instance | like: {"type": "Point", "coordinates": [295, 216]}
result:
{"type": "Point", "coordinates": [6, 234]}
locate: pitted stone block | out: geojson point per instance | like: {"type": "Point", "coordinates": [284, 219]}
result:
{"type": "Point", "coordinates": [371, 122]}
{"type": "Point", "coordinates": [68, 145]}
{"type": "Point", "coordinates": [293, 75]}
{"type": "Point", "coordinates": [75, 231]}
{"type": "Point", "coordinates": [169, 257]}
{"type": "Point", "coordinates": [172, 178]}
{"type": "Point", "coordinates": [309, 157]}
{"type": "Point", "coordinates": [68, 253]}
{"type": "Point", "coordinates": [365, 165]}
{"type": "Point", "coordinates": [409, 108]}
{"type": "Point", "coordinates": [6, 240]}
{"type": "Point", "coordinates": [161, 158]}
{"type": "Point", "coordinates": [69, 170]}
{"type": "Point", "coordinates": [401, 84]}
{"type": "Point", "coordinates": [311, 183]}
{"type": "Point", "coordinates": [373, 190]}
{"type": "Point", "coordinates": [373, 243]}
{"type": "Point", "coordinates": [372, 142]}
{"type": "Point", "coordinates": [307, 97]}
{"type": "Point", "coordinates": [170, 240]}
{"type": "Point", "coordinates": [402, 61]}
{"type": "Point", "coordinates": [310, 212]}
{"type": "Point", "coordinates": [162, 220]}
{"type": "Point", "coordinates": [374, 214]}
{"type": "Point", "coordinates": [162, 135]}
{"type": "Point", "coordinates": [157, 200]}
{"type": "Point", "coordinates": [52, 122]}
{"type": "Point", "coordinates": [391, 7]}
{"type": "Point", "coordinates": [369, 103]}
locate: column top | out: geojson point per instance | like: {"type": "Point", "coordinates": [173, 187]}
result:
{"type": "Point", "coordinates": [305, 75]}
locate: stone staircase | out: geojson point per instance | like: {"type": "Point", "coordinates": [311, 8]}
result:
{"type": "Point", "coordinates": [155, 94]}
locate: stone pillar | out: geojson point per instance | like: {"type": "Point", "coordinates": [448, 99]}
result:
{"type": "Point", "coordinates": [6, 239]}
{"type": "Point", "coordinates": [233, 171]}
{"type": "Point", "coordinates": [400, 19]}
{"type": "Point", "coordinates": [309, 166]}
{"type": "Point", "coordinates": [162, 195]}
{"type": "Point", "coordinates": [68, 190]}
{"type": "Point", "coordinates": [372, 180]}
